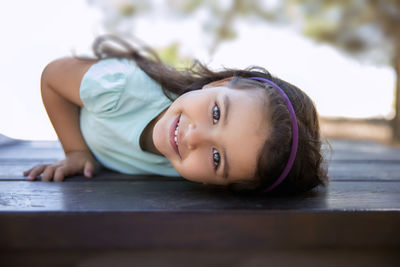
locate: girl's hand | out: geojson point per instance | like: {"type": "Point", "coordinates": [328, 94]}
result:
{"type": "Point", "coordinates": [75, 162]}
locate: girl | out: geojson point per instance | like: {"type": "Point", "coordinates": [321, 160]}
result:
{"type": "Point", "coordinates": [134, 114]}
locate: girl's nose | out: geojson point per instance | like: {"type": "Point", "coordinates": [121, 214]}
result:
{"type": "Point", "coordinates": [195, 136]}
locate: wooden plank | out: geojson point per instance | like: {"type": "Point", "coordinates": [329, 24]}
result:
{"type": "Point", "coordinates": [364, 170]}
{"type": "Point", "coordinates": [5, 140]}
{"type": "Point", "coordinates": [213, 257]}
{"type": "Point", "coordinates": [186, 196]}
{"type": "Point", "coordinates": [207, 229]}
{"type": "Point", "coordinates": [31, 150]}
{"type": "Point", "coordinates": [361, 150]}
{"type": "Point", "coordinates": [110, 215]}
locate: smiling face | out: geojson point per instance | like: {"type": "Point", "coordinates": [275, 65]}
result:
{"type": "Point", "coordinates": [214, 135]}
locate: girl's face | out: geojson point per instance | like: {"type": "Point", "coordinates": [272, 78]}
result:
{"type": "Point", "coordinates": [213, 135]}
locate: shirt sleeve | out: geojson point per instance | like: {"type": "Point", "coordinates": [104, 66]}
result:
{"type": "Point", "coordinates": [104, 83]}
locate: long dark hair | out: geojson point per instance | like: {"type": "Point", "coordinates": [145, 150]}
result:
{"type": "Point", "coordinates": [308, 170]}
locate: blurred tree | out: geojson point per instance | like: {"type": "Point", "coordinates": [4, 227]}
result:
{"type": "Point", "coordinates": [366, 29]}
{"type": "Point", "coordinates": [170, 55]}
{"type": "Point", "coordinates": [119, 15]}
{"type": "Point", "coordinates": [224, 14]}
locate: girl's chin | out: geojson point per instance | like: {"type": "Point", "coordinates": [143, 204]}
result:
{"type": "Point", "coordinates": [157, 139]}
{"type": "Point", "coordinates": [161, 140]}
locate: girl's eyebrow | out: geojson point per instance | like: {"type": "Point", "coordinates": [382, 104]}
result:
{"type": "Point", "coordinates": [227, 104]}
{"type": "Point", "coordinates": [225, 173]}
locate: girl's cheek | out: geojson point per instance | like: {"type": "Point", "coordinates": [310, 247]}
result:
{"type": "Point", "coordinates": [194, 170]}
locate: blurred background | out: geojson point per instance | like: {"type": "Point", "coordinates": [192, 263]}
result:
{"type": "Point", "coordinates": [344, 54]}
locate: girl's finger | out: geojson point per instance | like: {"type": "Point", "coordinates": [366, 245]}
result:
{"type": "Point", "coordinates": [35, 171]}
{"type": "Point", "coordinates": [48, 173]}
{"type": "Point", "coordinates": [25, 173]}
{"type": "Point", "coordinates": [88, 169]}
{"type": "Point", "coordinates": [59, 174]}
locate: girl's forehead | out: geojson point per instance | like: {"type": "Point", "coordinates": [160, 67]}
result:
{"type": "Point", "coordinates": [257, 93]}
{"type": "Point", "coordinates": [244, 138]}
{"type": "Point", "coordinates": [249, 104]}
{"type": "Point", "coordinates": [246, 131]}
{"type": "Point", "coordinates": [248, 96]}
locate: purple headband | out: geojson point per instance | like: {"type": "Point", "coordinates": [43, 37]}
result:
{"type": "Point", "coordinates": [295, 134]}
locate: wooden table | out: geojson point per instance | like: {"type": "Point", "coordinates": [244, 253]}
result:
{"type": "Point", "coordinates": [158, 221]}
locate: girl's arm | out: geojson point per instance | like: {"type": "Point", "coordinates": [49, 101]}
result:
{"type": "Point", "coordinates": [60, 85]}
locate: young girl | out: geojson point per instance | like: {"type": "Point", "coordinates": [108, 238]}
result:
{"type": "Point", "coordinates": [133, 114]}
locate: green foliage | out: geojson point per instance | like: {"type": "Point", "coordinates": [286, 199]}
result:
{"type": "Point", "coordinates": [171, 56]}
{"type": "Point", "coordinates": [320, 29]}
{"type": "Point", "coordinates": [127, 10]}
{"type": "Point", "coordinates": [358, 27]}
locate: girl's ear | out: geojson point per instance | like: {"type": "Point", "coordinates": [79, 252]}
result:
{"type": "Point", "coordinates": [218, 83]}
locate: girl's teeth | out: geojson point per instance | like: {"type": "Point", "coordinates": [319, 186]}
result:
{"type": "Point", "coordinates": [176, 134]}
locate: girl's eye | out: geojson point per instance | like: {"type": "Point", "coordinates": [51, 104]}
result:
{"type": "Point", "coordinates": [215, 114]}
{"type": "Point", "coordinates": [216, 158]}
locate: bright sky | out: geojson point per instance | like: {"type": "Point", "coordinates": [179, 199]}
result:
{"type": "Point", "coordinates": [35, 32]}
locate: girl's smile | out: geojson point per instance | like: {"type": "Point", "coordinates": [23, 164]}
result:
{"type": "Point", "coordinates": [213, 135]}
{"type": "Point", "coordinates": [173, 135]}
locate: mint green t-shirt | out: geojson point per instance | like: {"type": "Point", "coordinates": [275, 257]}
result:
{"type": "Point", "coordinates": [119, 101]}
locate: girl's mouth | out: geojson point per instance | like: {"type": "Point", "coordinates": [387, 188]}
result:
{"type": "Point", "coordinates": [173, 134]}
